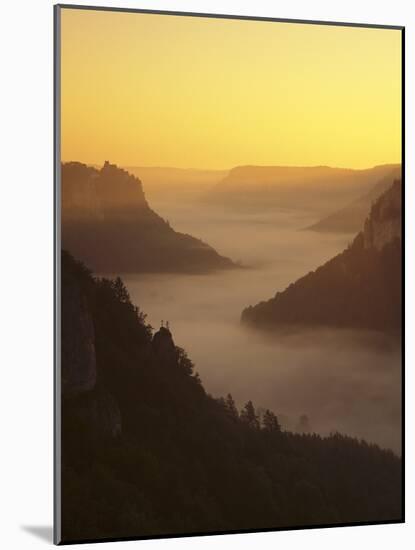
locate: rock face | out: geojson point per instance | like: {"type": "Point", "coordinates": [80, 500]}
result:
{"type": "Point", "coordinates": [78, 360]}
{"type": "Point", "coordinates": [163, 345]}
{"type": "Point", "coordinates": [90, 195]}
{"type": "Point", "coordinates": [83, 398]}
{"type": "Point", "coordinates": [359, 288]}
{"type": "Point", "coordinates": [108, 224]}
{"type": "Point", "coordinates": [384, 224]}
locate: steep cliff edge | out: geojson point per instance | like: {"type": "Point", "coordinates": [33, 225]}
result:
{"type": "Point", "coordinates": [78, 358]}
{"type": "Point", "coordinates": [384, 225]}
{"type": "Point", "coordinates": [90, 406]}
{"type": "Point", "coordinates": [108, 224]}
{"type": "Point", "coordinates": [359, 288]}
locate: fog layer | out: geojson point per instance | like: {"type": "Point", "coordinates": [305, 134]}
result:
{"type": "Point", "coordinates": [343, 381]}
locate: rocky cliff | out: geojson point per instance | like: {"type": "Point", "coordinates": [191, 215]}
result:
{"type": "Point", "coordinates": [78, 359]}
{"type": "Point", "coordinates": [384, 223]}
{"type": "Point", "coordinates": [108, 223]}
{"type": "Point", "coordinates": [359, 288]}
{"type": "Point", "coordinates": [163, 345]}
{"type": "Point", "coordinates": [83, 396]}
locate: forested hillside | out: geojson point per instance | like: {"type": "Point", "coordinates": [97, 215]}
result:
{"type": "Point", "coordinates": [359, 288]}
{"type": "Point", "coordinates": [147, 451]}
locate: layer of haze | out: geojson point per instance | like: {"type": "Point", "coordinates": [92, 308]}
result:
{"type": "Point", "coordinates": [143, 90]}
{"type": "Point", "coordinates": [345, 381]}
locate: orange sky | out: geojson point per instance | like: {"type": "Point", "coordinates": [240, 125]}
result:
{"type": "Point", "coordinates": [141, 89]}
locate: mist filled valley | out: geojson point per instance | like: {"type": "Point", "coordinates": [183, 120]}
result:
{"type": "Point", "coordinates": [230, 277]}
{"type": "Point", "coordinates": [210, 340]}
{"type": "Point", "coordinates": [315, 379]}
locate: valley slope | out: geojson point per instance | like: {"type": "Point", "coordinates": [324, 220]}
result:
{"type": "Point", "coordinates": [359, 288]}
{"type": "Point", "coordinates": [146, 451]}
{"type": "Point", "coordinates": [108, 223]}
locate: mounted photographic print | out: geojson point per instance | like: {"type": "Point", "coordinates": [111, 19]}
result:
{"type": "Point", "coordinates": [229, 251]}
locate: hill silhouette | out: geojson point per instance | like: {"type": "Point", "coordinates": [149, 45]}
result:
{"type": "Point", "coordinates": [147, 451]}
{"type": "Point", "coordinates": [107, 222]}
{"type": "Point", "coordinates": [164, 177]}
{"type": "Point", "coordinates": [359, 288]}
{"type": "Point", "coordinates": [350, 218]}
{"type": "Point", "coordinates": [318, 189]}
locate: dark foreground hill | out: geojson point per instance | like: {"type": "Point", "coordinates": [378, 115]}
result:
{"type": "Point", "coordinates": [359, 288]}
{"type": "Point", "coordinates": [107, 222]}
{"type": "Point", "coordinates": [147, 452]}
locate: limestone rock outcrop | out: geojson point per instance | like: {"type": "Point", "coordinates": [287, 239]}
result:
{"type": "Point", "coordinates": [82, 395]}
{"type": "Point", "coordinates": [108, 224]}
{"type": "Point", "coordinates": [360, 288]}
{"type": "Point", "coordinates": [385, 221]}
{"type": "Point", "coordinates": [78, 360]}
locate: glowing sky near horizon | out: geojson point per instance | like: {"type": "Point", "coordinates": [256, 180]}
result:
{"type": "Point", "coordinates": [156, 90]}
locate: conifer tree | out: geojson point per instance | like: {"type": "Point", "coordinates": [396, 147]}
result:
{"type": "Point", "coordinates": [249, 416]}
{"type": "Point", "coordinates": [270, 422]}
{"type": "Point", "coordinates": [231, 407]}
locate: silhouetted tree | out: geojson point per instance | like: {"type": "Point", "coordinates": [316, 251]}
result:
{"type": "Point", "coordinates": [249, 416]}
{"type": "Point", "coordinates": [120, 290]}
{"type": "Point", "coordinates": [231, 407]}
{"type": "Point", "coordinates": [270, 422]}
{"type": "Point", "coordinates": [183, 361]}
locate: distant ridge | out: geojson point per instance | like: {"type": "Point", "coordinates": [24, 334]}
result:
{"type": "Point", "coordinates": [320, 189]}
{"type": "Point", "coordinates": [350, 218]}
{"type": "Point", "coordinates": [166, 175]}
